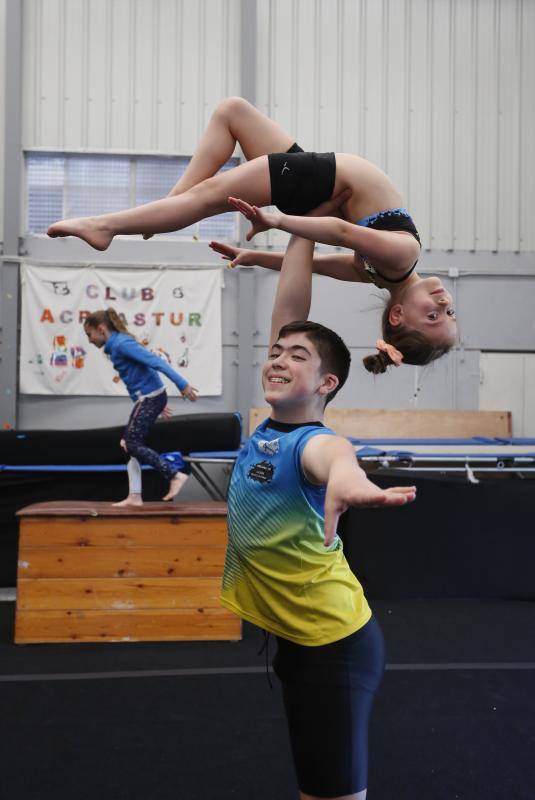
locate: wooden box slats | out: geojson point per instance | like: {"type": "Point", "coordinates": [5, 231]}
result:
{"type": "Point", "coordinates": [120, 562]}
{"type": "Point", "coordinates": [120, 595]}
{"type": "Point", "coordinates": [96, 625]}
{"type": "Point", "coordinates": [114, 531]}
{"type": "Point", "coordinates": [103, 575]}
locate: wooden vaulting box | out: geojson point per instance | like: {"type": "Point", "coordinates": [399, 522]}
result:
{"type": "Point", "coordinates": [91, 572]}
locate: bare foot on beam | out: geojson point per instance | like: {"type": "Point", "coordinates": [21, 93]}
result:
{"type": "Point", "coordinates": [176, 485]}
{"type": "Point", "coordinates": [132, 500]}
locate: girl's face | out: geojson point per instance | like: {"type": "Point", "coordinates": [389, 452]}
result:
{"type": "Point", "coordinates": [97, 336]}
{"type": "Point", "coordinates": [427, 307]}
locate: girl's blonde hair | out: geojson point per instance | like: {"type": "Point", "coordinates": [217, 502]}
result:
{"type": "Point", "coordinates": [108, 317]}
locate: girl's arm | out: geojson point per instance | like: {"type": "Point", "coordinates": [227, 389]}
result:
{"type": "Point", "coordinates": [340, 266]}
{"type": "Point", "coordinates": [331, 461]}
{"type": "Point", "coordinates": [136, 352]}
{"type": "Point", "coordinates": [393, 251]}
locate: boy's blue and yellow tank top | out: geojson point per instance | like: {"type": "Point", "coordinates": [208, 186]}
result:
{"type": "Point", "coordinates": [278, 573]}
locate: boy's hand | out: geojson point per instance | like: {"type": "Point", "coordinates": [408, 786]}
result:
{"type": "Point", "coordinates": [332, 207]}
{"type": "Point", "coordinates": [189, 393]}
{"type": "Point", "coordinates": [237, 256]}
{"type": "Point", "coordinates": [260, 220]}
{"type": "Point", "coordinates": [348, 490]}
{"type": "Point", "coordinates": [167, 412]}
{"type": "Point", "coordinates": [122, 444]}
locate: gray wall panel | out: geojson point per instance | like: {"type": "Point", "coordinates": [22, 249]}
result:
{"type": "Point", "coordinates": [351, 309]}
{"type": "Point", "coordinates": [436, 92]}
{"type": "Point", "coordinates": [128, 75]}
{"type": "Point", "coordinates": [497, 313]}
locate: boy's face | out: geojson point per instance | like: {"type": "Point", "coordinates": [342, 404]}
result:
{"type": "Point", "coordinates": [292, 373]}
{"type": "Point", "coordinates": [97, 336]}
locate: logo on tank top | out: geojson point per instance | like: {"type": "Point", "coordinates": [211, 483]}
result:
{"type": "Point", "coordinates": [270, 448]}
{"type": "Point", "coordinates": [261, 472]}
{"type": "Point", "coordinates": [285, 167]}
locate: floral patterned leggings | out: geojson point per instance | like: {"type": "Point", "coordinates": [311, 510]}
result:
{"type": "Point", "coordinates": [144, 414]}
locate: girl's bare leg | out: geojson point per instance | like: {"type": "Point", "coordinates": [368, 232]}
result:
{"type": "Point", "coordinates": [249, 181]}
{"type": "Point", "coordinates": [234, 120]}
{"type": "Point", "coordinates": [134, 481]}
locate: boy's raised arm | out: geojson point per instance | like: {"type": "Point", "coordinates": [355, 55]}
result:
{"type": "Point", "coordinates": [294, 287]}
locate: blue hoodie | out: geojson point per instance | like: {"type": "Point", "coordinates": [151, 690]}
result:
{"type": "Point", "coordinates": [138, 367]}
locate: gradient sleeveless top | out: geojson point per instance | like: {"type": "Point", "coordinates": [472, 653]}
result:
{"type": "Point", "coordinates": [278, 573]}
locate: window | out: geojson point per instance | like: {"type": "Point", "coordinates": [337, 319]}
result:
{"type": "Point", "coordinates": [70, 185]}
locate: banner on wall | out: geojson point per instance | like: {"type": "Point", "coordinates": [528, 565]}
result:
{"type": "Point", "coordinates": [175, 313]}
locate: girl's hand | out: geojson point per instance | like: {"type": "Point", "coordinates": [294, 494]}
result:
{"type": "Point", "coordinates": [260, 220]}
{"type": "Point", "coordinates": [237, 256]}
{"type": "Point", "coordinates": [167, 412]}
{"type": "Point", "coordinates": [345, 490]}
{"type": "Point", "coordinates": [189, 393]}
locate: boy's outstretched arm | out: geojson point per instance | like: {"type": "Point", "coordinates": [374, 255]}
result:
{"type": "Point", "coordinates": [331, 461]}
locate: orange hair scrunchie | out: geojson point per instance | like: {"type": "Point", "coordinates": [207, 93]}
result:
{"type": "Point", "coordinates": [392, 352]}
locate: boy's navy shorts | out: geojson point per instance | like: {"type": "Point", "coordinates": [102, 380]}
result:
{"type": "Point", "coordinates": [328, 694]}
{"type": "Point", "coordinates": [301, 181]}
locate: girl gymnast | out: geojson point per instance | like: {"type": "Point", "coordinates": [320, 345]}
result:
{"type": "Point", "coordinates": [139, 368]}
{"type": "Point", "coordinates": [411, 301]}
{"type": "Point", "coordinates": [386, 245]}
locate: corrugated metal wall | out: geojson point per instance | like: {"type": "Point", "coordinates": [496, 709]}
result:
{"type": "Point", "coordinates": [127, 75]}
{"type": "Point", "coordinates": [439, 93]}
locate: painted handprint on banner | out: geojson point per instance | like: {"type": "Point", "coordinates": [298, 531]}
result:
{"type": "Point", "coordinates": [78, 355]}
{"type": "Point", "coordinates": [59, 357]}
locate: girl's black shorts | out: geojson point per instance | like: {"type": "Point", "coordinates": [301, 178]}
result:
{"type": "Point", "coordinates": [328, 694]}
{"type": "Point", "coordinates": [301, 181]}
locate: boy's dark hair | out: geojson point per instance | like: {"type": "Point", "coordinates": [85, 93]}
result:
{"type": "Point", "coordinates": [334, 355]}
{"type": "Point", "coordinates": [415, 346]}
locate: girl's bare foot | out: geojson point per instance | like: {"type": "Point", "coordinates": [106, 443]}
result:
{"type": "Point", "coordinates": [132, 500]}
{"type": "Point", "coordinates": [176, 485]}
{"type": "Point", "coordinates": [91, 229]}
